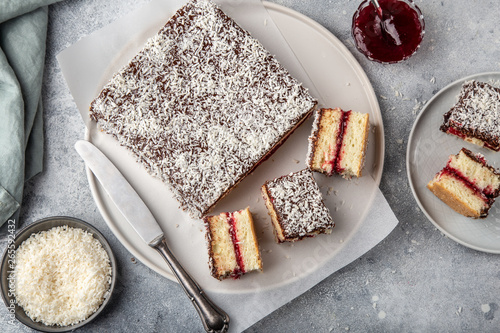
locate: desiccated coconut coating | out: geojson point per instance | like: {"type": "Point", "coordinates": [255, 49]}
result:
{"type": "Point", "coordinates": [296, 206]}
{"type": "Point", "coordinates": [201, 105]}
{"type": "Point", "coordinates": [476, 115]}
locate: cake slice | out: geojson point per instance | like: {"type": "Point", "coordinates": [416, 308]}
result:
{"type": "Point", "coordinates": [467, 184]}
{"type": "Point", "coordinates": [475, 117]}
{"type": "Point", "coordinates": [296, 207]}
{"type": "Point", "coordinates": [232, 245]}
{"type": "Point", "coordinates": [338, 142]}
{"type": "Point", "coordinates": [201, 105]}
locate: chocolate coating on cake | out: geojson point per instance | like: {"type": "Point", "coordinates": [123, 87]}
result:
{"type": "Point", "coordinates": [298, 204]}
{"type": "Point", "coordinates": [476, 115]}
{"type": "Point", "coordinates": [201, 105]}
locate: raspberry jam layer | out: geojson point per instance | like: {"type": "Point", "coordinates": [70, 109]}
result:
{"type": "Point", "coordinates": [452, 130]}
{"type": "Point", "coordinates": [240, 267]}
{"type": "Point", "coordinates": [334, 163]}
{"type": "Point", "coordinates": [458, 175]}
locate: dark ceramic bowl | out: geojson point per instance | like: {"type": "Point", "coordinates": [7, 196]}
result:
{"type": "Point", "coordinates": [21, 236]}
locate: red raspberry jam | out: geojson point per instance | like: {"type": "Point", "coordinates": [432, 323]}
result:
{"type": "Point", "coordinates": [404, 30]}
{"type": "Point", "coordinates": [333, 164]}
{"type": "Point", "coordinates": [240, 269]}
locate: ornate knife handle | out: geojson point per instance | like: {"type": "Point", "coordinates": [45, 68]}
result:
{"type": "Point", "coordinates": [214, 318]}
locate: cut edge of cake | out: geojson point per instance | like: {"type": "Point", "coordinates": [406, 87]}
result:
{"type": "Point", "coordinates": [338, 142]}
{"type": "Point", "coordinates": [467, 184]}
{"type": "Point", "coordinates": [233, 249]}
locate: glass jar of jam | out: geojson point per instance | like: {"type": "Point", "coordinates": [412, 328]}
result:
{"type": "Point", "coordinates": [392, 38]}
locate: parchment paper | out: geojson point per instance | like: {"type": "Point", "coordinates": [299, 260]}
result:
{"type": "Point", "coordinates": [89, 63]}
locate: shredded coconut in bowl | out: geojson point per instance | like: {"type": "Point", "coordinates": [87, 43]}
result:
{"type": "Point", "coordinates": [62, 276]}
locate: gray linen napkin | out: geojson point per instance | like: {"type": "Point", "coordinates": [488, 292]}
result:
{"type": "Point", "coordinates": [23, 31]}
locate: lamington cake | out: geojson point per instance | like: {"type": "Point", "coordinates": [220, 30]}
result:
{"type": "Point", "coordinates": [296, 207]}
{"type": "Point", "coordinates": [201, 105]}
{"type": "Point", "coordinates": [232, 244]}
{"type": "Point", "coordinates": [476, 116]}
{"type": "Point", "coordinates": [467, 184]}
{"type": "Point", "coordinates": [338, 142]}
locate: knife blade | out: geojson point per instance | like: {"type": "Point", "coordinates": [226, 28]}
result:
{"type": "Point", "coordinates": [121, 193]}
{"type": "Point", "coordinates": [135, 211]}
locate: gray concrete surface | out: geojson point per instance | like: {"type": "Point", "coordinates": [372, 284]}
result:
{"type": "Point", "coordinates": [416, 280]}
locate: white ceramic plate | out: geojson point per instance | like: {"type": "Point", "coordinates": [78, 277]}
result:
{"type": "Point", "coordinates": [427, 154]}
{"type": "Point", "coordinates": [341, 82]}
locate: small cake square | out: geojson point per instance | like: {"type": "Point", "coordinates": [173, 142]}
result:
{"type": "Point", "coordinates": [201, 105]}
{"type": "Point", "coordinates": [475, 117]}
{"type": "Point", "coordinates": [232, 244]}
{"type": "Point", "coordinates": [296, 207]}
{"type": "Point", "coordinates": [338, 142]}
{"type": "Point", "coordinates": [467, 184]}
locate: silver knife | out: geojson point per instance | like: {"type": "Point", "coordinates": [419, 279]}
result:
{"type": "Point", "coordinates": [139, 216]}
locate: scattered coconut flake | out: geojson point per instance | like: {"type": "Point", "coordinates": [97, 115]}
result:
{"type": "Point", "coordinates": [485, 308]}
